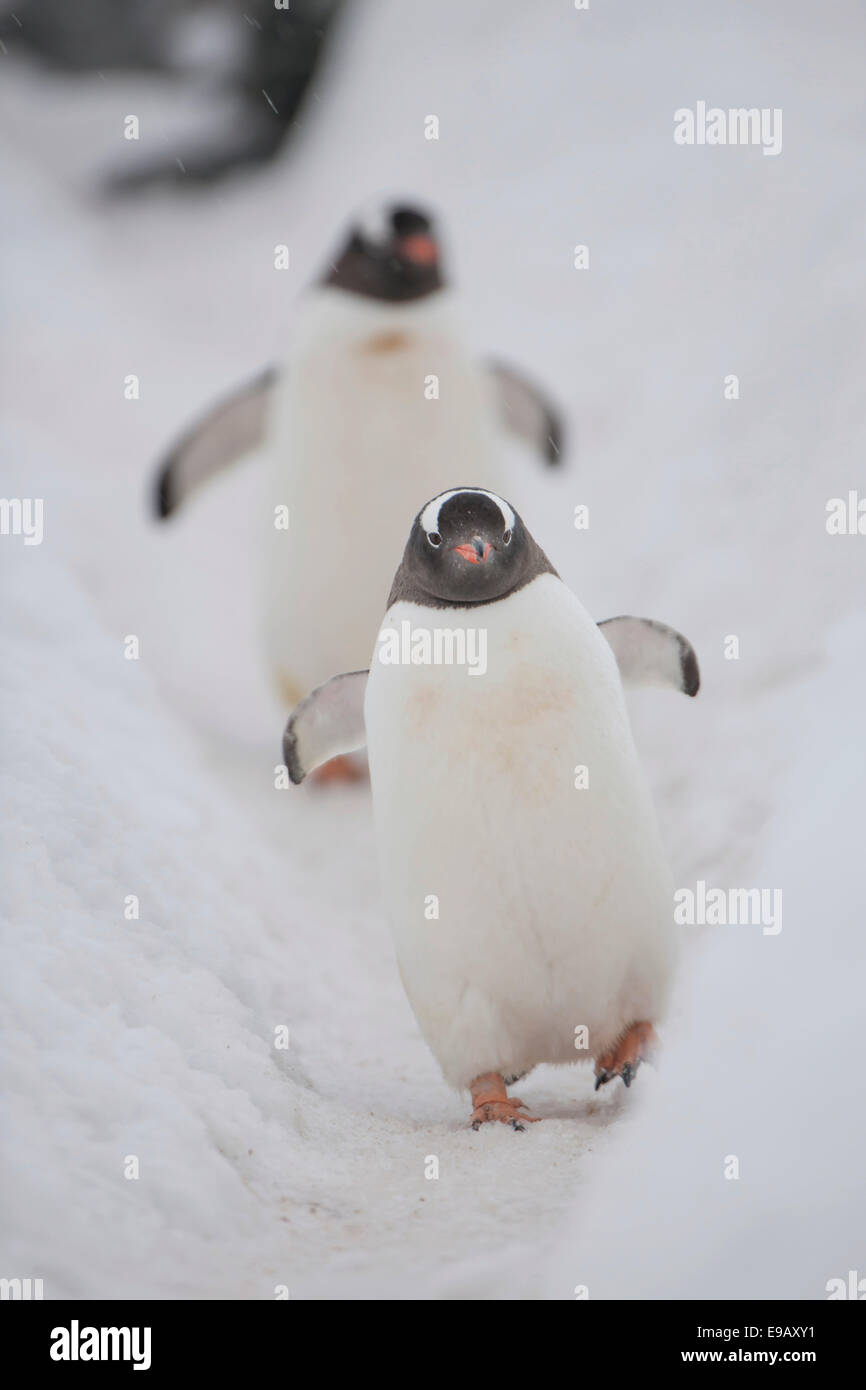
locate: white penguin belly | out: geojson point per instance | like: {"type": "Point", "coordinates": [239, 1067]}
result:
{"type": "Point", "coordinates": [355, 445]}
{"type": "Point", "coordinates": [554, 902]}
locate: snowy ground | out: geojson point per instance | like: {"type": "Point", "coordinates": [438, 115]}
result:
{"type": "Point", "coordinates": [154, 1037]}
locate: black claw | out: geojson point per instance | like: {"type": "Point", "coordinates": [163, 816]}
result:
{"type": "Point", "coordinates": [515, 1124]}
{"type": "Point", "coordinates": [627, 1073]}
{"type": "Point", "coordinates": [602, 1077]}
{"type": "Point", "coordinates": [476, 1124]}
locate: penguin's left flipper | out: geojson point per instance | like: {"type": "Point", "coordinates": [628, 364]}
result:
{"type": "Point", "coordinates": [650, 653]}
{"type": "Point", "coordinates": [527, 412]}
{"type": "Point", "coordinates": [329, 721]}
{"type": "Point", "coordinates": [230, 429]}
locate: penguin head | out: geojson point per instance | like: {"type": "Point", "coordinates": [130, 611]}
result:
{"type": "Point", "coordinates": [391, 254]}
{"type": "Point", "coordinates": [467, 546]}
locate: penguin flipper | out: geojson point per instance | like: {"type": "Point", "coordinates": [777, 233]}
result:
{"type": "Point", "coordinates": [227, 431]}
{"type": "Point", "coordinates": [527, 412]}
{"type": "Point", "coordinates": [329, 721]}
{"type": "Point", "coordinates": [651, 653]}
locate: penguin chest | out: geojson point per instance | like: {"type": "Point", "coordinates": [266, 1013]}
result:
{"type": "Point", "coordinates": [358, 440]}
{"type": "Point", "coordinates": [523, 901]}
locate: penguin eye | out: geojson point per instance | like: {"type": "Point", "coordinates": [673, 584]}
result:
{"type": "Point", "coordinates": [506, 539]}
{"type": "Point", "coordinates": [434, 538]}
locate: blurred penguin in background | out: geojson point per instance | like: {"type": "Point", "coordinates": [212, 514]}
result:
{"type": "Point", "coordinates": [378, 400]}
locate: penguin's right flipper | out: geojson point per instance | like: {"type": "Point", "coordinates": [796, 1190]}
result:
{"type": "Point", "coordinates": [329, 721]}
{"type": "Point", "coordinates": [527, 412]}
{"type": "Point", "coordinates": [230, 429]}
{"type": "Point", "coordinates": [651, 653]}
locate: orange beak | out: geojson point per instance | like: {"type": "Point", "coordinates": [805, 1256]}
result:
{"type": "Point", "coordinates": [476, 551]}
{"type": "Point", "coordinates": [419, 249]}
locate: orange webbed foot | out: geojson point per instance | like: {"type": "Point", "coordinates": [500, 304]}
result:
{"type": "Point", "coordinates": [634, 1046]}
{"type": "Point", "coordinates": [491, 1101]}
{"type": "Point", "coordinates": [340, 769]}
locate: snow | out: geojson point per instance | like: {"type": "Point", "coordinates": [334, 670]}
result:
{"type": "Point", "coordinates": [259, 908]}
{"type": "Point", "coordinates": [763, 1067]}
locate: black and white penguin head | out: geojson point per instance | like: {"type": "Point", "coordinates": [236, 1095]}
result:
{"type": "Point", "coordinates": [391, 254]}
{"type": "Point", "coordinates": [467, 546]}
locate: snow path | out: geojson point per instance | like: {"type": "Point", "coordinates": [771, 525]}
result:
{"type": "Point", "coordinates": [155, 1037]}
{"type": "Point", "coordinates": [260, 908]}
{"type": "Point", "coordinates": [765, 1068]}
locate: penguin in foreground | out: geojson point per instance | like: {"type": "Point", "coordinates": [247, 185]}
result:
{"type": "Point", "coordinates": [378, 399]}
{"type": "Point", "coordinates": [526, 883]}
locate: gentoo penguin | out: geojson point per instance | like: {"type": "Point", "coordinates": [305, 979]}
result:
{"type": "Point", "coordinates": [527, 887]}
{"type": "Point", "coordinates": [379, 401]}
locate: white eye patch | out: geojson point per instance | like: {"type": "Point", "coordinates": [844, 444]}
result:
{"type": "Point", "coordinates": [373, 221]}
{"type": "Point", "coordinates": [429, 518]}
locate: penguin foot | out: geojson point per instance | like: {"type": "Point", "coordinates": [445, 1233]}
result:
{"type": "Point", "coordinates": [492, 1102]}
{"type": "Point", "coordinates": [634, 1046]}
{"type": "Point", "coordinates": [339, 769]}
